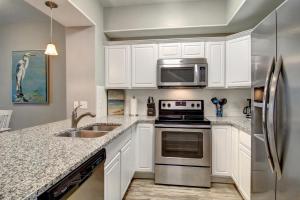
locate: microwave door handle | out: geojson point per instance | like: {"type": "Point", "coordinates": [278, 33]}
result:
{"type": "Point", "coordinates": [196, 75]}
{"type": "Point", "coordinates": [264, 113]}
{"type": "Point", "coordinates": [271, 122]}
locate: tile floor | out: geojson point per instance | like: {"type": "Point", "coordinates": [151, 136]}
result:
{"type": "Point", "coordinates": [143, 189]}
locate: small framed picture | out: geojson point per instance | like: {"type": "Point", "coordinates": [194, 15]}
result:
{"type": "Point", "coordinates": [30, 77]}
{"type": "Point", "coordinates": [115, 102]}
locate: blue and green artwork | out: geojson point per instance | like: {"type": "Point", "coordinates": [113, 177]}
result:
{"type": "Point", "coordinates": [29, 77]}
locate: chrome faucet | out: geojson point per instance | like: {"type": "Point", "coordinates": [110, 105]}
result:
{"type": "Point", "coordinates": [75, 119]}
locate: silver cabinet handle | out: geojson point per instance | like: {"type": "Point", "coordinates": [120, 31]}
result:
{"type": "Point", "coordinates": [272, 117]}
{"type": "Point", "coordinates": [264, 111]}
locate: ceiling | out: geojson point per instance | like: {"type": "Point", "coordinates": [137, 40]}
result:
{"type": "Point", "coordinates": [116, 3]}
{"type": "Point", "coordinates": [13, 11]}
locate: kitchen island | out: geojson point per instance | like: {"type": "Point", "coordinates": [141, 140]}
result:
{"type": "Point", "coordinates": [34, 159]}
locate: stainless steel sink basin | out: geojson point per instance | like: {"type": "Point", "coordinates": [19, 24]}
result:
{"type": "Point", "coordinates": [91, 131]}
{"type": "Point", "coordinates": [101, 127]}
{"type": "Point", "coordinates": [83, 134]}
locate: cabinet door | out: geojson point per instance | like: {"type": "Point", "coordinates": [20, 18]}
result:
{"type": "Point", "coordinates": [235, 154]}
{"type": "Point", "coordinates": [127, 166]}
{"type": "Point", "coordinates": [170, 50]}
{"type": "Point", "coordinates": [144, 60]}
{"type": "Point", "coordinates": [193, 50]}
{"type": "Point", "coordinates": [215, 54]}
{"type": "Point", "coordinates": [221, 150]}
{"type": "Point", "coordinates": [117, 66]}
{"type": "Point", "coordinates": [238, 65]}
{"type": "Point", "coordinates": [244, 171]}
{"type": "Point", "coordinates": [145, 150]}
{"type": "Point", "coordinates": [112, 177]}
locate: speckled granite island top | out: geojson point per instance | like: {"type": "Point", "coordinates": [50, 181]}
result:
{"type": "Point", "coordinates": [33, 159]}
{"type": "Point", "coordinates": [241, 123]}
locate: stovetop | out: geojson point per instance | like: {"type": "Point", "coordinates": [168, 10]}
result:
{"type": "Point", "coordinates": [182, 119]}
{"type": "Point", "coordinates": [182, 112]}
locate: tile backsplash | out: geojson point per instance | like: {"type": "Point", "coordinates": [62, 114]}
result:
{"type": "Point", "coordinates": [237, 98]}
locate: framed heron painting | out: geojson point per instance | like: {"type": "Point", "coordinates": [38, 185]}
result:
{"type": "Point", "coordinates": [29, 77]}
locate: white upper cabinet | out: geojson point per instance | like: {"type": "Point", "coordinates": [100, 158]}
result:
{"type": "Point", "coordinates": [221, 151]}
{"type": "Point", "coordinates": [193, 50]}
{"type": "Point", "coordinates": [170, 50]}
{"type": "Point", "coordinates": [238, 62]}
{"type": "Point", "coordinates": [215, 54]}
{"type": "Point", "coordinates": [144, 60]}
{"type": "Point", "coordinates": [117, 66]}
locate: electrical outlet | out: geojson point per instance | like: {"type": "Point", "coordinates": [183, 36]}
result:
{"type": "Point", "coordinates": [75, 104]}
{"type": "Point", "coordinates": [84, 104]}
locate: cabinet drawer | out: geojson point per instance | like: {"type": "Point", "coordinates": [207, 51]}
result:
{"type": "Point", "coordinates": [115, 146]}
{"type": "Point", "coordinates": [245, 140]}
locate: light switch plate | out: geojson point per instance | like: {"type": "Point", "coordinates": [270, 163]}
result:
{"type": "Point", "coordinates": [75, 104]}
{"type": "Point", "coordinates": [84, 104]}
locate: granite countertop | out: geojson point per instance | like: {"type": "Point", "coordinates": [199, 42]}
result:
{"type": "Point", "coordinates": [34, 159]}
{"type": "Point", "coordinates": [241, 123]}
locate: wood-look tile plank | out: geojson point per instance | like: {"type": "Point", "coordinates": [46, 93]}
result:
{"type": "Point", "coordinates": [143, 189]}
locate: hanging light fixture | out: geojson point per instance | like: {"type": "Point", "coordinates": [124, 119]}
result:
{"type": "Point", "coordinates": [51, 49]}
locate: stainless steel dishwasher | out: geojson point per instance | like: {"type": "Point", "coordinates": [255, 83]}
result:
{"type": "Point", "coordinates": [86, 182]}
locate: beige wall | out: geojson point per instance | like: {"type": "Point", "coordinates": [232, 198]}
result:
{"type": "Point", "coordinates": [80, 61]}
{"type": "Point", "coordinates": [33, 35]}
{"type": "Point", "coordinates": [94, 10]}
{"type": "Point", "coordinates": [85, 60]}
{"type": "Point", "coordinates": [185, 14]}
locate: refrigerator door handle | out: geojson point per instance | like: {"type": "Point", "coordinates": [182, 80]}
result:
{"type": "Point", "coordinates": [272, 117]}
{"type": "Point", "coordinates": [264, 113]}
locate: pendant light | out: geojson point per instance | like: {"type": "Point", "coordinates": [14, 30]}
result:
{"type": "Point", "coordinates": [51, 49]}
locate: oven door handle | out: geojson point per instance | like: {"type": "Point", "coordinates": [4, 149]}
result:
{"type": "Point", "coordinates": [188, 126]}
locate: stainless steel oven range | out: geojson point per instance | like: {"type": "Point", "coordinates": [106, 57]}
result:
{"type": "Point", "coordinates": [182, 144]}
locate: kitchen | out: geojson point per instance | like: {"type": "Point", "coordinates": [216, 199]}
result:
{"type": "Point", "coordinates": [192, 101]}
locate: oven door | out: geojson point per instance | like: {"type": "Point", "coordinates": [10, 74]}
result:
{"type": "Point", "coordinates": [181, 146]}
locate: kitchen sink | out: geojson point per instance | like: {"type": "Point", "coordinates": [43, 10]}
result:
{"type": "Point", "coordinates": [91, 131]}
{"type": "Point", "coordinates": [101, 127]}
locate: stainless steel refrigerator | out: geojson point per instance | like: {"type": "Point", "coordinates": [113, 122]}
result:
{"type": "Point", "coordinates": [275, 161]}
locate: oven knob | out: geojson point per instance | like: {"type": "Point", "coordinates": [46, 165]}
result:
{"type": "Point", "coordinates": [198, 105]}
{"type": "Point", "coordinates": [193, 105]}
{"type": "Point", "coordinates": [169, 105]}
{"type": "Point", "coordinates": [163, 105]}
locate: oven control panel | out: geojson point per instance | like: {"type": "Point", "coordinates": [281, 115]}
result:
{"type": "Point", "coordinates": [181, 105]}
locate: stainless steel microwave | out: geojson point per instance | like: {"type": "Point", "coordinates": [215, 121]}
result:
{"type": "Point", "coordinates": [183, 72]}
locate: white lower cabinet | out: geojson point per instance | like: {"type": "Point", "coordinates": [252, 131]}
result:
{"type": "Point", "coordinates": [145, 148]}
{"type": "Point", "coordinates": [244, 183]}
{"type": "Point", "coordinates": [231, 156]}
{"type": "Point", "coordinates": [235, 154]}
{"type": "Point", "coordinates": [131, 151]}
{"type": "Point", "coordinates": [112, 175]}
{"type": "Point", "coordinates": [244, 172]}
{"type": "Point", "coordinates": [127, 166]}
{"type": "Point", "coordinates": [221, 150]}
